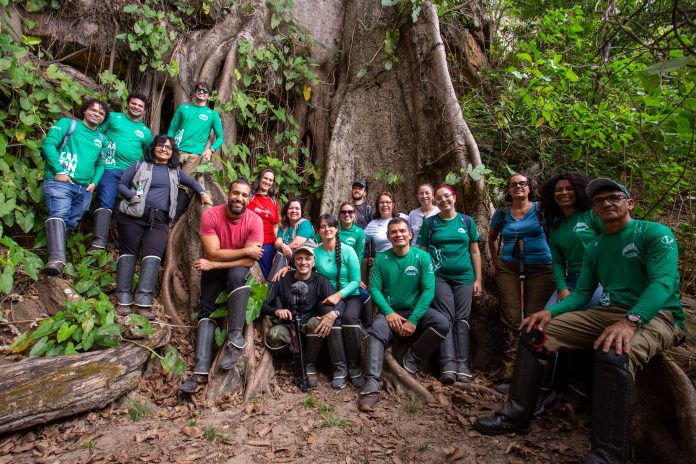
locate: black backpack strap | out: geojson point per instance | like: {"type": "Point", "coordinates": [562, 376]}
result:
{"type": "Point", "coordinates": [73, 126]}
{"type": "Point", "coordinates": [431, 223]}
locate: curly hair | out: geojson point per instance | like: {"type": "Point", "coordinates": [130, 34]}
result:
{"type": "Point", "coordinates": [149, 155]}
{"type": "Point", "coordinates": [92, 101]}
{"type": "Point", "coordinates": [533, 185]}
{"type": "Point", "coordinates": [552, 212]}
{"type": "Point", "coordinates": [284, 212]}
{"type": "Point", "coordinates": [331, 221]}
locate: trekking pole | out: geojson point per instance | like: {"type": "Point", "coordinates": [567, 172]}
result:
{"type": "Point", "coordinates": [523, 277]}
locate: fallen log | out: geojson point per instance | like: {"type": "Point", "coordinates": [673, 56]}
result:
{"type": "Point", "coordinates": [38, 390]}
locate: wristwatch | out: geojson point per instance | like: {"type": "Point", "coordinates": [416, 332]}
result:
{"type": "Point", "coordinates": [337, 313]}
{"type": "Point", "coordinates": [634, 319]}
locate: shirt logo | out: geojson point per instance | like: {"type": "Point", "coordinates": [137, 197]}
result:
{"type": "Point", "coordinates": [140, 134]}
{"type": "Point", "coordinates": [605, 299]}
{"type": "Point", "coordinates": [461, 230]}
{"type": "Point", "coordinates": [350, 241]}
{"type": "Point", "coordinates": [98, 142]}
{"type": "Point", "coordinates": [203, 117]}
{"type": "Point", "coordinates": [631, 251]}
{"type": "Point", "coordinates": [667, 241]}
{"type": "Point", "coordinates": [580, 227]}
{"type": "Point", "coordinates": [411, 271]}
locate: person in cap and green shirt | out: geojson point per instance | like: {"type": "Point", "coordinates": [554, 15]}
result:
{"type": "Point", "coordinates": [639, 315]}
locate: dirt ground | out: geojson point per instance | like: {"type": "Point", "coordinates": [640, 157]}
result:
{"type": "Point", "coordinates": [153, 424]}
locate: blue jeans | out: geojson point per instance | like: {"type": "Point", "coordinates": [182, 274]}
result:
{"type": "Point", "coordinates": [571, 281]}
{"type": "Point", "coordinates": [266, 261]}
{"type": "Point", "coordinates": [66, 201]}
{"type": "Point", "coordinates": [108, 188]}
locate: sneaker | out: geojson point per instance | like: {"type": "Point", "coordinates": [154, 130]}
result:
{"type": "Point", "coordinates": [368, 402]}
{"type": "Point", "coordinates": [448, 377]}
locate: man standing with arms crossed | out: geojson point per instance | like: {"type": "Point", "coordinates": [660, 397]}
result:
{"type": "Point", "coordinates": [73, 153]}
{"type": "Point", "coordinates": [402, 286]}
{"type": "Point", "coordinates": [639, 315]}
{"type": "Point", "coordinates": [127, 139]}
{"type": "Point", "coordinates": [231, 237]}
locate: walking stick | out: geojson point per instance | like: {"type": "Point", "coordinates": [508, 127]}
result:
{"type": "Point", "coordinates": [523, 277]}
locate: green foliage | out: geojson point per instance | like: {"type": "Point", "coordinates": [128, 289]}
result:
{"type": "Point", "coordinates": [152, 36]}
{"type": "Point", "coordinates": [211, 434]}
{"type": "Point", "coordinates": [575, 92]}
{"type": "Point", "coordinates": [92, 272]}
{"type": "Point", "coordinates": [258, 295]}
{"type": "Point", "coordinates": [268, 82]}
{"type": "Point", "coordinates": [172, 362]}
{"type": "Point", "coordinates": [16, 257]}
{"type": "Point", "coordinates": [393, 180]}
{"type": "Point", "coordinates": [84, 324]}
{"type": "Point", "coordinates": [309, 401]}
{"type": "Point", "coordinates": [138, 410]}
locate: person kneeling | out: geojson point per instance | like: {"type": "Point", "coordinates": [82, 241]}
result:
{"type": "Point", "coordinates": [402, 286]}
{"type": "Point", "coordinates": [306, 290]}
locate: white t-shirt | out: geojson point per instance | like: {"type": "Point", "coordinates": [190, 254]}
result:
{"type": "Point", "coordinates": [415, 220]}
{"type": "Point", "coordinates": [376, 231]}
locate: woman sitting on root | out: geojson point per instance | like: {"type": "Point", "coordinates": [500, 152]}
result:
{"type": "Point", "coordinates": [150, 189]}
{"type": "Point", "coordinates": [294, 231]}
{"type": "Point", "coordinates": [265, 205]}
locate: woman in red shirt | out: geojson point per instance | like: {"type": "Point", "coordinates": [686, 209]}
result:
{"type": "Point", "coordinates": [265, 205]}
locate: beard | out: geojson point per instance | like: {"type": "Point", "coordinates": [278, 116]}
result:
{"type": "Point", "coordinates": [235, 209]}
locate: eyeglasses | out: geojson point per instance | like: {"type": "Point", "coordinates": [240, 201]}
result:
{"type": "Point", "coordinates": [386, 202]}
{"type": "Point", "coordinates": [164, 147]}
{"type": "Point", "coordinates": [347, 212]}
{"type": "Point", "coordinates": [612, 199]}
{"type": "Point", "coordinates": [205, 91]}
{"type": "Point", "coordinates": [446, 196]}
{"type": "Point", "coordinates": [522, 183]}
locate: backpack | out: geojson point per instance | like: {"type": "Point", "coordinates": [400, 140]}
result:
{"type": "Point", "coordinates": [310, 243]}
{"type": "Point", "coordinates": [463, 220]}
{"type": "Point", "coordinates": [73, 126]}
{"type": "Point", "coordinates": [503, 212]}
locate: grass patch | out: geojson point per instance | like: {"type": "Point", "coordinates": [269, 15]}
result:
{"type": "Point", "coordinates": [423, 448]}
{"type": "Point", "coordinates": [90, 444]}
{"type": "Point", "coordinates": [330, 419]}
{"type": "Point", "coordinates": [309, 401]}
{"type": "Point", "coordinates": [211, 434]}
{"type": "Point", "coordinates": [138, 410]}
{"type": "Point", "coordinates": [412, 408]}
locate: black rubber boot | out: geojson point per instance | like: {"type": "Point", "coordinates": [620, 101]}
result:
{"type": "Point", "coordinates": [55, 238]}
{"type": "Point", "coordinates": [421, 349]}
{"type": "Point", "coordinates": [352, 340]}
{"type": "Point", "coordinates": [334, 342]}
{"type": "Point", "coordinates": [366, 314]}
{"type": "Point", "coordinates": [516, 413]}
{"type": "Point", "coordinates": [448, 366]}
{"type": "Point", "coordinates": [102, 221]}
{"type": "Point", "coordinates": [547, 395]}
{"type": "Point", "coordinates": [125, 269]}
{"type": "Point", "coordinates": [237, 302]}
{"type": "Point", "coordinates": [312, 347]}
{"type": "Point", "coordinates": [204, 355]}
{"type": "Point", "coordinates": [614, 395]}
{"type": "Point", "coordinates": [461, 347]}
{"type": "Point", "coordinates": [149, 275]}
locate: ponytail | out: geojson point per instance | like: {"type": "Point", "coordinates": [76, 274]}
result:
{"type": "Point", "coordinates": [338, 263]}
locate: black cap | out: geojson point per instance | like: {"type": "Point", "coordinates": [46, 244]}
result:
{"type": "Point", "coordinates": [602, 182]}
{"type": "Point", "coordinates": [360, 182]}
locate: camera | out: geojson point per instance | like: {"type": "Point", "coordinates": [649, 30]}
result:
{"type": "Point", "coordinates": [298, 294]}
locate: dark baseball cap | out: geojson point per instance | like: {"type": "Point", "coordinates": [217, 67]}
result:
{"type": "Point", "coordinates": [360, 182]}
{"type": "Point", "coordinates": [603, 182]}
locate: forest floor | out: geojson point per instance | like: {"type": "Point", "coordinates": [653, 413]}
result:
{"type": "Point", "coordinates": [154, 424]}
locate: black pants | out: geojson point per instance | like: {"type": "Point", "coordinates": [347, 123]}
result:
{"type": "Point", "coordinates": [215, 281]}
{"type": "Point", "coordinates": [149, 233]}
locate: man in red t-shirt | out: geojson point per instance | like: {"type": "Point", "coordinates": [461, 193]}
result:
{"type": "Point", "coordinates": [231, 237]}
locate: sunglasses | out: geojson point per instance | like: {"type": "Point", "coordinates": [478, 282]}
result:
{"type": "Point", "coordinates": [347, 212]}
{"type": "Point", "coordinates": [205, 91]}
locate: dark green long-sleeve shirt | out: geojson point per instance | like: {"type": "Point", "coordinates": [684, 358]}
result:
{"type": "Point", "coordinates": [638, 269]}
{"type": "Point", "coordinates": [403, 282]}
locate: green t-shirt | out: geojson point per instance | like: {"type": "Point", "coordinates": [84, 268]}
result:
{"type": "Point", "coordinates": [403, 282]}
{"type": "Point", "coordinates": [80, 158]}
{"type": "Point", "coordinates": [638, 269]}
{"type": "Point", "coordinates": [304, 229]}
{"type": "Point", "coordinates": [127, 141]}
{"type": "Point", "coordinates": [449, 247]}
{"type": "Point", "coordinates": [325, 263]}
{"type": "Point", "coordinates": [191, 127]}
{"type": "Point", "coordinates": [354, 237]}
{"type": "Point", "coordinates": [568, 240]}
